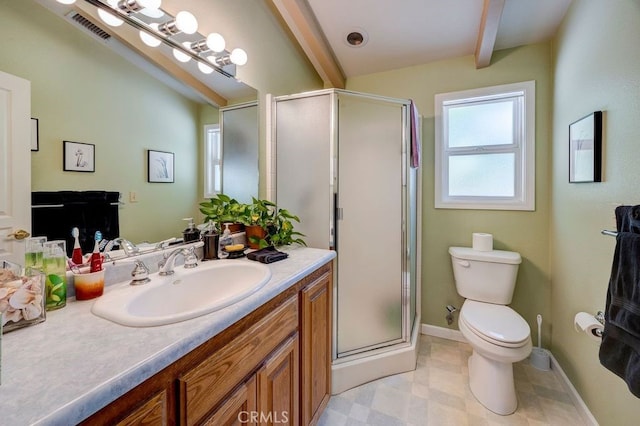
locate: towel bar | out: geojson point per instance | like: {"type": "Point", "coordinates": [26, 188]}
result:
{"type": "Point", "coordinates": [610, 233]}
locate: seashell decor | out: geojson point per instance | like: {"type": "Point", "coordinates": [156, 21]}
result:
{"type": "Point", "coordinates": [21, 299]}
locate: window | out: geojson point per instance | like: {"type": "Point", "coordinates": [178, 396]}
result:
{"type": "Point", "coordinates": [485, 148]}
{"type": "Point", "coordinates": [212, 161]}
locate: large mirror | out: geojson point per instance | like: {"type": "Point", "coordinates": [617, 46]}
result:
{"type": "Point", "coordinates": [84, 91]}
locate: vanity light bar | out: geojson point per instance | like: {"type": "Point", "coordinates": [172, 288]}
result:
{"type": "Point", "coordinates": [215, 62]}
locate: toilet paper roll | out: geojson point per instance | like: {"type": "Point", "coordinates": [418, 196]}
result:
{"type": "Point", "coordinates": [587, 323]}
{"type": "Point", "coordinates": [482, 242]}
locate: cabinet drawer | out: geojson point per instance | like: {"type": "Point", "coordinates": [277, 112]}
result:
{"type": "Point", "coordinates": [152, 412]}
{"type": "Point", "coordinates": [204, 386]}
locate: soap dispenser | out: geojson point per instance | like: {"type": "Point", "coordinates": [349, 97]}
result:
{"type": "Point", "coordinates": [211, 239]}
{"type": "Point", "coordinates": [225, 240]}
{"type": "Point", "coordinates": [192, 233]}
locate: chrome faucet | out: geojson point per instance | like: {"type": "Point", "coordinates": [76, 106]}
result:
{"type": "Point", "coordinates": [126, 245]}
{"type": "Point", "coordinates": [167, 264]}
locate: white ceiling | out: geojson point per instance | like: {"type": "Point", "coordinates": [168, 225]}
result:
{"type": "Point", "coordinates": [402, 33]}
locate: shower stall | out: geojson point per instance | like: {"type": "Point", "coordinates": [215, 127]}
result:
{"type": "Point", "coordinates": [340, 160]}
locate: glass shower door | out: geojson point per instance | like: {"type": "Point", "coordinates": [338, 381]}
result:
{"type": "Point", "coordinates": [370, 235]}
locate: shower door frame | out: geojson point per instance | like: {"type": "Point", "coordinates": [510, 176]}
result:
{"type": "Point", "coordinates": [409, 197]}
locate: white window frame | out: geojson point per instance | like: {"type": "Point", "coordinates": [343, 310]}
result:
{"type": "Point", "coordinates": [523, 148]}
{"type": "Point", "coordinates": [212, 158]}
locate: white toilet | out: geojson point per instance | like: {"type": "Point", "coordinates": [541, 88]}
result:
{"type": "Point", "coordinates": [498, 335]}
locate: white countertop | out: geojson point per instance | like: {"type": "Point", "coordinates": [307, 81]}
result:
{"type": "Point", "coordinates": [62, 370]}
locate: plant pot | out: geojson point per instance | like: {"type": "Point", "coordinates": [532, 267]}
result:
{"type": "Point", "coordinates": [254, 231]}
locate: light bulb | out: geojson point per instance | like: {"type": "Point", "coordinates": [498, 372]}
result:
{"type": "Point", "coordinates": [238, 56]}
{"type": "Point", "coordinates": [181, 56]}
{"type": "Point", "coordinates": [109, 18]}
{"type": "Point", "coordinates": [149, 4]}
{"type": "Point", "coordinates": [151, 8]}
{"type": "Point", "coordinates": [67, 1]}
{"type": "Point", "coordinates": [204, 68]}
{"type": "Point", "coordinates": [215, 42]}
{"type": "Point", "coordinates": [148, 39]}
{"type": "Point", "coordinates": [152, 13]}
{"type": "Point", "coordinates": [186, 22]}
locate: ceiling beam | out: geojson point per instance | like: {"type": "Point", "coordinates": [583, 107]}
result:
{"type": "Point", "coordinates": [491, 14]}
{"type": "Point", "coordinates": [301, 22]}
{"type": "Point", "coordinates": [129, 37]}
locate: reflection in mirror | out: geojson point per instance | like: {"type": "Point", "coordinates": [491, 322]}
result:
{"type": "Point", "coordinates": [91, 93]}
{"type": "Point", "coordinates": [239, 131]}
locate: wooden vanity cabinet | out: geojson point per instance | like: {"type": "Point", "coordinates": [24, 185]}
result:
{"type": "Point", "coordinates": [271, 367]}
{"type": "Point", "coordinates": [316, 305]}
{"type": "Point", "coordinates": [203, 387]}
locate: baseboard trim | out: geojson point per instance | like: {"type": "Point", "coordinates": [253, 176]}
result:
{"type": "Point", "coordinates": [445, 333]}
{"type": "Point", "coordinates": [581, 407]}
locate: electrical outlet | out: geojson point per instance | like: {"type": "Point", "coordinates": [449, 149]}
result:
{"type": "Point", "coordinates": [133, 197]}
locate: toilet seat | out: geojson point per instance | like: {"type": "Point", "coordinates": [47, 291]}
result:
{"type": "Point", "coordinates": [496, 324]}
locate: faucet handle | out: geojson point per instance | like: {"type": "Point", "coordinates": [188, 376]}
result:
{"type": "Point", "coordinates": [190, 258]}
{"type": "Point", "coordinates": [140, 273]}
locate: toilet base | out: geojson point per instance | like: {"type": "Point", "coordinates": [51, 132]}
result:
{"type": "Point", "coordinates": [491, 382]}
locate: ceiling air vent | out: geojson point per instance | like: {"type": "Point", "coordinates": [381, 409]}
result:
{"type": "Point", "coordinates": [89, 26]}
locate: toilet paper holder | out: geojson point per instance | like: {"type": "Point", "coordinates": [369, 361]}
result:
{"type": "Point", "coordinates": [599, 316]}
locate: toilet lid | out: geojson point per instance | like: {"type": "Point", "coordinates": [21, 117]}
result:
{"type": "Point", "coordinates": [498, 324]}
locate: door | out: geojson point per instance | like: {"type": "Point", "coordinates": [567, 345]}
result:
{"type": "Point", "coordinates": [15, 165]}
{"type": "Point", "coordinates": [370, 234]}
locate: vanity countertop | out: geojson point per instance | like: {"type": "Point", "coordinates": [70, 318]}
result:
{"type": "Point", "coordinates": [68, 367]}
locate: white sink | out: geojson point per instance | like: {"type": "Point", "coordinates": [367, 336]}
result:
{"type": "Point", "coordinates": [186, 294]}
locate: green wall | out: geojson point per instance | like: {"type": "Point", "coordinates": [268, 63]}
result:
{"type": "Point", "coordinates": [524, 232]}
{"type": "Point", "coordinates": [81, 91]}
{"type": "Point", "coordinates": [597, 67]}
{"type": "Point", "coordinates": [84, 92]}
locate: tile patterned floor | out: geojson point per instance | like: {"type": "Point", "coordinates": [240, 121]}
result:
{"type": "Point", "coordinates": [437, 394]}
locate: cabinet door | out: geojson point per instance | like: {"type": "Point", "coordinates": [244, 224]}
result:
{"type": "Point", "coordinates": [152, 412]}
{"type": "Point", "coordinates": [203, 387]}
{"type": "Point", "coordinates": [278, 383]}
{"type": "Point", "coordinates": [316, 305]}
{"type": "Point", "coordinates": [239, 409]}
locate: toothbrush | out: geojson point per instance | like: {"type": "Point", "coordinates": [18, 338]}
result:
{"type": "Point", "coordinates": [539, 319]}
{"type": "Point", "coordinates": [96, 259]}
{"type": "Point", "coordinates": [76, 255]}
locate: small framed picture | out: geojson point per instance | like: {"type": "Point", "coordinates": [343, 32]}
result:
{"type": "Point", "coordinates": [160, 166]}
{"type": "Point", "coordinates": [585, 149]}
{"type": "Point", "coordinates": [35, 135]}
{"type": "Point", "coordinates": [79, 157]}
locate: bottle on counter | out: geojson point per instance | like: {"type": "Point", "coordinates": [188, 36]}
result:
{"type": "Point", "coordinates": [210, 238]}
{"type": "Point", "coordinates": [192, 233]}
{"type": "Point", "coordinates": [225, 240]}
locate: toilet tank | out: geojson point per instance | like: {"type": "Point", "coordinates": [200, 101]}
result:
{"type": "Point", "coordinates": [485, 276]}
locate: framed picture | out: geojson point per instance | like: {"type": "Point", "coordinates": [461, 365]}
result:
{"type": "Point", "coordinates": [35, 136]}
{"type": "Point", "coordinates": [160, 166]}
{"type": "Point", "coordinates": [585, 149]}
{"type": "Point", "coordinates": [79, 157]}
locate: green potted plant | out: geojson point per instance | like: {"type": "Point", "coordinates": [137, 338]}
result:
{"type": "Point", "coordinates": [282, 233]}
{"type": "Point", "coordinates": [257, 217]}
{"type": "Point", "coordinates": [267, 225]}
{"type": "Point", "coordinates": [224, 209]}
